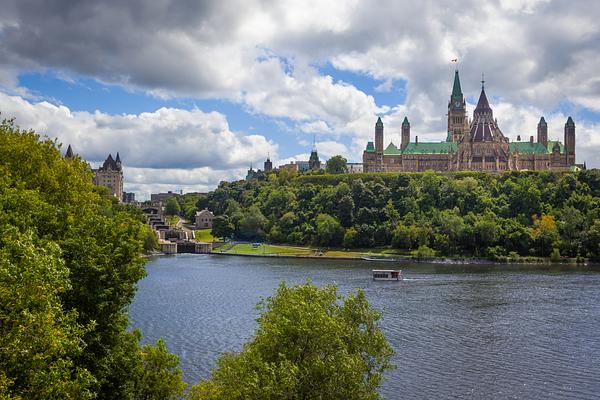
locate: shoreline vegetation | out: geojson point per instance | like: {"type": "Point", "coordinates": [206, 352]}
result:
{"type": "Point", "coordinates": [383, 255]}
{"type": "Point", "coordinates": [516, 216]}
{"type": "Point", "coordinates": [265, 250]}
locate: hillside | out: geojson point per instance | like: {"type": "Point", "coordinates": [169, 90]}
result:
{"type": "Point", "coordinates": [460, 214]}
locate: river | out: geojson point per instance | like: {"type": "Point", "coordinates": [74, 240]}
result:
{"type": "Point", "coordinates": [473, 331]}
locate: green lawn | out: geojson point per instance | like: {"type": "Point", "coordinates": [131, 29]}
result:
{"type": "Point", "coordinates": [267, 249]}
{"type": "Point", "coordinates": [205, 235]}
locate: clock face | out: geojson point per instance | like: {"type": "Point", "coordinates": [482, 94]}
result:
{"type": "Point", "coordinates": [457, 104]}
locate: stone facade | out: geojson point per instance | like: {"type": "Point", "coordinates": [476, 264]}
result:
{"type": "Point", "coordinates": [204, 219]}
{"type": "Point", "coordinates": [110, 175]}
{"type": "Point", "coordinates": [474, 145]}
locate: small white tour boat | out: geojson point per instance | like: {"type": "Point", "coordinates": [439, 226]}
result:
{"type": "Point", "coordinates": [387, 275]}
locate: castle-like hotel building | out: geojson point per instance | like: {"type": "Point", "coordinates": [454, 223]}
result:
{"type": "Point", "coordinates": [110, 174]}
{"type": "Point", "coordinates": [477, 144]}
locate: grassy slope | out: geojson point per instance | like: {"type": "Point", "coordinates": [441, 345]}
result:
{"type": "Point", "coordinates": [205, 235]}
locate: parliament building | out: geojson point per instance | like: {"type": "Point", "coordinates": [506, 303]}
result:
{"type": "Point", "coordinates": [475, 144]}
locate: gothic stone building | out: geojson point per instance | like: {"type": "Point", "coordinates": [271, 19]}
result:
{"type": "Point", "coordinates": [476, 145]}
{"type": "Point", "coordinates": [110, 174]}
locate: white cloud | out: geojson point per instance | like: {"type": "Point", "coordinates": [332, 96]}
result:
{"type": "Point", "coordinates": [327, 149]}
{"type": "Point", "coordinates": [168, 146]}
{"type": "Point", "coordinates": [145, 181]}
{"type": "Point", "coordinates": [315, 127]}
{"type": "Point", "coordinates": [535, 53]}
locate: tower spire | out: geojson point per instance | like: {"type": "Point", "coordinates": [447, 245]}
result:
{"type": "Point", "coordinates": [482, 105]}
{"type": "Point", "coordinates": [456, 89]}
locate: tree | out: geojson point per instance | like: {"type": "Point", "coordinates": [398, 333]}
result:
{"type": "Point", "coordinates": [345, 210]}
{"type": "Point", "coordinates": [252, 224]}
{"type": "Point", "coordinates": [311, 343]}
{"type": "Point", "coordinates": [39, 340]}
{"type": "Point", "coordinates": [424, 252]}
{"type": "Point", "coordinates": [591, 241]}
{"type": "Point", "coordinates": [336, 165]}
{"type": "Point", "coordinates": [222, 227]}
{"type": "Point", "coordinates": [278, 202]}
{"type": "Point", "coordinates": [160, 377]}
{"type": "Point", "coordinates": [364, 235]}
{"type": "Point", "coordinates": [409, 237]}
{"type": "Point", "coordinates": [150, 239]}
{"type": "Point", "coordinates": [329, 231]}
{"type": "Point", "coordinates": [69, 264]}
{"type": "Point", "coordinates": [172, 207]}
{"type": "Point", "coordinates": [350, 238]}
{"type": "Point", "coordinates": [545, 233]}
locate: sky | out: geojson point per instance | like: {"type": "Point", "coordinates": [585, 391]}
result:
{"type": "Point", "coordinates": [192, 92]}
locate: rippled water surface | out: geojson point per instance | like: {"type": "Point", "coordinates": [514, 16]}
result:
{"type": "Point", "coordinates": [457, 331]}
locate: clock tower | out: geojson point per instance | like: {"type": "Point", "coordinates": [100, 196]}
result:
{"type": "Point", "coordinates": [458, 124]}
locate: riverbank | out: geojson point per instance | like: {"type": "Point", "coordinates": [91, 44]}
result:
{"type": "Point", "coordinates": [377, 254]}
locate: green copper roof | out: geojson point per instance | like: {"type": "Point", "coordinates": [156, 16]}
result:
{"type": "Point", "coordinates": [405, 122]}
{"type": "Point", "coordinates": [430, 148]}
{"type": "Point", "coordinates": [550, 145]}
{"type": "Point", "coordinates": [370, 148]}
{"type": "Point", "coordinates": [570, 122]}
{"type": "Point", "coordinates": [379, 121]}
{"type": "Point", "coordinates": [534, 148]}
{"type": "Point", "coordinates": [528, 147]}
{"type": "Point", "coordinates": [456, 90]}
{"type": "Point", "coordinates": [391, 150]}
{"type": "Point", "coordinates": [449, 137]}
{"type": "Point", "coordinates": [542, 121]}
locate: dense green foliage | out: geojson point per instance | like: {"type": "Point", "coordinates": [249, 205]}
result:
{"type": "Point", "coordinates": [69, 264]}
{"type": "Point", "coordinates": [310, 343]}
{"type": "Point", "coordinates": [336, 165]}
{"type": "Point", "coordinates": [172, 207]}
{"type": "Point", "coordinates": [467, 214]}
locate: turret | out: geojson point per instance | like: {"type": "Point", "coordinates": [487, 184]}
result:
{"type": "Point", "coordinates": [268, 166]}
{"type": "Point", "coordinates": [405, 133]}
{"type": "Point", "coordinates": [69, 153]}
{"type": "Point", "coordinates": [251, 174]}
{"type": "Point", "coordinates": [542, 132]}
{"type": "Point", "coordinates": [570, 141]}
{"type": "Point", "coordinates": [379, 136]}
{"type": "Point", "coordinates": [313, 162]}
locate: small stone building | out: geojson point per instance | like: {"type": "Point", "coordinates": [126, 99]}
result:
{"type": "Point", "coordinates": [204, 219]}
